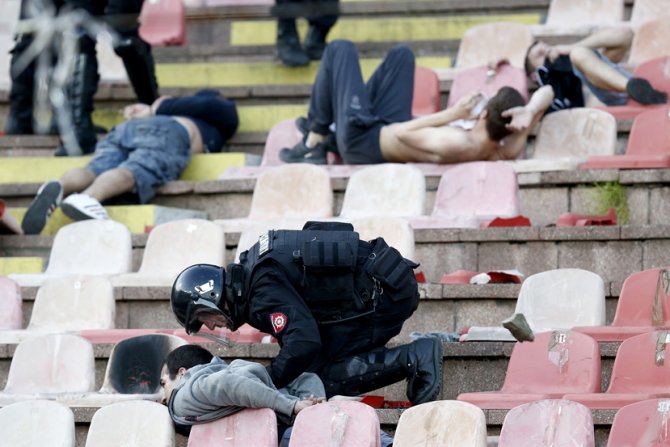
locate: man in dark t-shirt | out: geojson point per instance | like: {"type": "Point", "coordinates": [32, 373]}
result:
{"type": "Point", "coordinates": [139, 155]}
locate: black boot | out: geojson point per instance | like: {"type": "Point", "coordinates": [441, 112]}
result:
{"type": "Point", "coordinates": [315, 42]}
{"type": "Point", "coordinates": [420, 362]}
{"type": "Point", "coordinates": [288, 44]}
{"type": "Point", "coordinates": [20, 118]}
{"type": "Point", "coordinates": [139, 63]}
{"type": "Point", "coordinates": [83, 86]}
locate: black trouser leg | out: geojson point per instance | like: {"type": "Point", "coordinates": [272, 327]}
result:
{"type": "Point", "coordinates": [80, 92]}
{"type": "Point", "coordinates": [20, 117]}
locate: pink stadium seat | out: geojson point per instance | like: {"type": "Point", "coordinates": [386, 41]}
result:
{"type": "Point", "coordinates": [640, 372]}
{"type": "Point", "coordinates": [489, 82]}
{"type": "Point", "coordinates": [337, 422]}
{"type": "Point", "coordinates": [646, 10]}
{"type": "Point", "coordinates": [566, 14]}
{"type": "Point", "coordinates": [163, 22]}
{"type": "Point", "coordinates": [470, 194]}
{"type": "Point", "coordinates": [554, 364]}
{"type": "Point", "coordinates": [651, 40]}
{"type": "Point", "coordinates": [113, 336]}
{"type": "Point", "coordinates": [583, 220]}
{"type": "Point", "coordinates": [426, 98]}
{"type": "Point", "coordinates": [283, 134]}
{"type": "Point", "coordinates": [11, 305]}
{"type": "Point", "coordinates": [511, 42]}
{"type": "Point", "coordinates": [244, 334]}
{"type": "Point", "coordinates": [548, 423]}
{"type": "Point", "coordinates": [648, 144]}
{"type": "Point", "coordinates": [642, 424]}
{"type": "Point", "coordinates": [643, 306]}
{"type": "Point", "coordinates": [656, 71]}
{"type": "Point", "coordinates": [250, 427]}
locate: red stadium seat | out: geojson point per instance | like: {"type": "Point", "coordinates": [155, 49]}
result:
{"type": "Point", "coordinates": [250, 427]}
{"type": "Point", "coordinates": [488, 81]}
{"type": "Point", "coordinates": [163, 22]}
{"type": "Point", "coordinates": [426, 98]}
{"type": "Point", "coordinates": [642, 424]}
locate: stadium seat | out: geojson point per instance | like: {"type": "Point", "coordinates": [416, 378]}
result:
{"type": "Point", "coordinates": [163, 22]}
{"type": "Point", "coordinates": [89, 247]}
{"type": "Point", "coordinates": [640, 372]}
{"type": "Point", "coordinates": [250, 427]}
{"type": "Point", "coordinates": [397, 232]}
{"type": "Point", "coordinates": [642, 307]}
{"type": "Point", "coordinates": [443, 423]}
{"type": "Point", "coordinates": [55, 366]}
{"type": "Point", "coordinates": [657, 72]}
{"type": "Point", "coordinates": [11, 305]}
{"type": "Point", "coordinates": [567, 137]}
{"type": "Point", "coordinates": [645, 10]}
{"type": "Point", "coordinates": [33, 423]}
{"type": "Point", "coordinates": [579, 17]}
{"type": "Point", "coordinates": [648, 144]}
{"type": "Point", "coordinates": [555, 299]}
{"type": "Point", "coordinates": [470, 194]}
{"type": "Point", "coordinates": [426, 98]}
{"type": "Point", "coordinates": [283, 134]}
{"type": "Point", "coordinates": [487, 81]}
{"type": "Point", "coordinates": [293, 191]}
{"type": "Point", "coordinates": [337, 422]}
{"type": "Point", "coordinates": [650, 41]}
{"type": "Point", "coordinates": [511, 42]}
{"type": "Point", "coordinates": [547, 423]}
{"type": "Point", "coordinates": [555, 363]}
{"type": "Point", "coordinates": [143, 423]}
{"type": "Point", "coordinates": [641, 424]}
{"type": "Point", "coordinates": [387, 189]}
{"type": "Point", "coordinates": [173, 246]}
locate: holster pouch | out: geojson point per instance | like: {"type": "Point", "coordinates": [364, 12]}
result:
{"type": "Point", "coordinates": [387, 265]}
{"type": "Point", "coordinates": [328, 271]}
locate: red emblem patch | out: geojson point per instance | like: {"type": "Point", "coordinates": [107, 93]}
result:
{"type": "Point", "coordinates": [278, 321]}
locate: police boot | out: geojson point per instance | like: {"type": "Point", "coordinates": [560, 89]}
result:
{"type": "Point", "coordinates": [139, 64]}
{"type": "Point", "coordinates": [315, 42]}
{"type": "Point", "coordinates": [82, 87]}
{"type": "Point", "coordinates": [288, 44]}
{"type": "Point", "coordinates": [420, 362]}
{"type": "Point", "coordinates": [20, 118]}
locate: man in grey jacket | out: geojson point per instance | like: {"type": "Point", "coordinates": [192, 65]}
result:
{"type": "Point", "coordinates": [199, 387]}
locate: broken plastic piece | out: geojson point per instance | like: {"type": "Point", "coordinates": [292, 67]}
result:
{"type": "Point", "coordinates": [519, 327]}
{"type": "Point", "coordinates": [582, 220]}
{"type": "Point", "coordinates": [516, 221]}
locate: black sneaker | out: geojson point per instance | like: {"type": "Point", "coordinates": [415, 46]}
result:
{"type": "Point", "coordinates": [46, 201]}
{"type": "Point", "coordinates": [300, 153]}
{"type": "Point", "coordinates": [330, 142]}
{"type": "Point", "coordinates": [315, 42]}
{"type": "Point", "coordinates": [641, 91]}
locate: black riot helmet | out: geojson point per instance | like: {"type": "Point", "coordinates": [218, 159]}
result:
{"type": "Point", "coordinates": [199, 290]}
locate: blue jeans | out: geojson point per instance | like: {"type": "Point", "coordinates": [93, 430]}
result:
{"type": "Point", "coordinates": [155, 149]}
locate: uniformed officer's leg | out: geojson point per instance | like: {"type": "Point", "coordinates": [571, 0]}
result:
{"type": "Point", "coordinates": [289, 50]}
{"type": "Point", "coordinates": [132, 49]}
{"type": "Point", "coordinates": [319, 26]}
{"type": "Point", "coordinates": [420, 363]}
{"type": "Point", "coordinates": [391, 86]}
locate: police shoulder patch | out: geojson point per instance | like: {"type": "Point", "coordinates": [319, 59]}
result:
{"type": "Point", "coordinates": [278, 321]}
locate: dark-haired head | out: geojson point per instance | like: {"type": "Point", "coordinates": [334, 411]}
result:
{"type": "Point", "coordinates": [496, 124]}
{"type": "Point", "coordinates": [186, 357]}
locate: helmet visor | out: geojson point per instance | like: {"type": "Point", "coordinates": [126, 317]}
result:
{"type": "Point", "coordinates": [205, 312]}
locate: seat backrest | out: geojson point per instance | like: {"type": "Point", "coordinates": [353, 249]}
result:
{"type": "Point", "coordinates": [477, 48]}
{"type": "Point", "coordinates": [646, 10]}
{"type": "Point", "coordinates": [472, 79]}
{"type": "Point", "coordinates": [643, 423]}
{"type": "Point", "coordinates": [650, 134]}
{"type": "Point", "coordinates": [293, 190]}
{"type": "Point", "coordinates": [56, 363]}
{"type": "Point", "coordinates": [445, 422]}
{"type": "Point", "coordinates": [338, 422]}
{"type": "Point", "coordinates": [388, 189]}
{"type": "Point", "coordinates": [579, 132]}
{"type": "Point", "coordinates": [638, 298]}
{"type": "Point", "coordinates": [555, 362]}
{"type": "Point", "coordinates": [250, 427]}
{"type": "Point", "coordinates": [548, 422]}
{"type": "Point", "coordinates": [562, 299]}
{"type": "Point", "coordinates": [570, 13]}
{"type": "Point", "coordinates": [31, 423]}
{"type": "Point", "coordinates": [175, 245]}
{"type": "Point", "coordinates": [91, 247]}
{"type": "Point", "coordinates": [641, 364]}
{"type": "Point", "coordinates": [144, 423]}
{"type": "Point", "coordinates": [397, 232]}
{"type": "Point", "coordinates": [73, 303]}
{"type": "Point", "coordinates": [478, 189]}
{"type": "Point", "coordinates": [283, 134]}
{"type": "Point", "coordinates": [426, 99]}
{"type": "Point", "coordinates": [650, 41]}
{"type": "Point", "coordinates": [163, 22]}
{"type": "Point", "coordinates": [134, 366]}
{"type": "Point", "coordinates": [11, 304]}
{"type": "Point", "coordinates": [657, 72]}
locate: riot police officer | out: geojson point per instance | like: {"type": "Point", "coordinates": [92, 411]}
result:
{"type": "Point", "coordinates": [332, 301]}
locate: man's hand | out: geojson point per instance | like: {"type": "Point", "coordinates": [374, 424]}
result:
{"type": "Point", "coordinates": [559, 50]}
{"type": "Point", "coordinates": [522, 117]}
{"type": "Point", "coordinates": [136, 111]}
{"type": "Point", "coordinates": [465, 106]}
